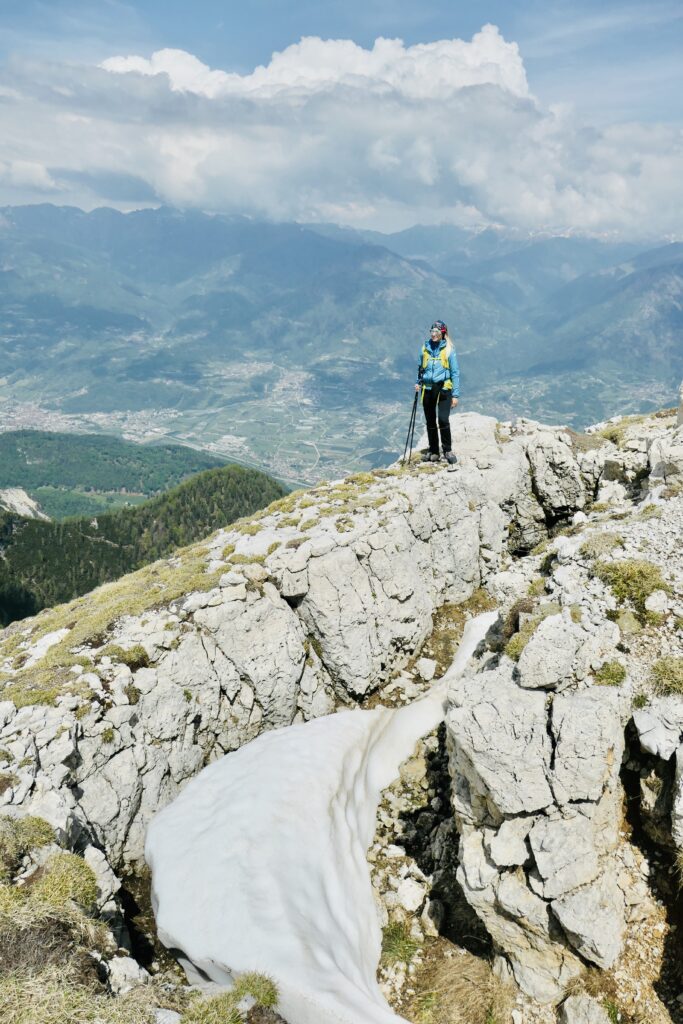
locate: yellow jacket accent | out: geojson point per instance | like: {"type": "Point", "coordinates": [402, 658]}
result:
{"type": "Point", "coordinates": [443, 356]}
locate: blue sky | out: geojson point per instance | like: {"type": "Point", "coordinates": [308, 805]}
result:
{"type": "Point", "coordinates": [612, 60]}
{"type": "Point", "coordinates": [539, 115]}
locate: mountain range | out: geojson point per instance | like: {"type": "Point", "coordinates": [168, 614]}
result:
{"type": "Point", "coordinates": [293, 347]}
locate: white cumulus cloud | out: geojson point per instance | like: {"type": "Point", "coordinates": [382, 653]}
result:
{"type": "Point", "coordinates": [424, 71]}
{"type": "Point", "coordinates": [327, 130]}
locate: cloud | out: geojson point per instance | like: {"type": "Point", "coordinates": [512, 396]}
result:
{"type": "Point", "coordinates": [27, 174]}
{"type": "Point", "coordinates": [425, 71]}
{"type": "Point", "coordinates": [383, 137]}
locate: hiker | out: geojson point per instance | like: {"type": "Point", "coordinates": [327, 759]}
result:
{"type": "Point", "coordinates": [438, 377]}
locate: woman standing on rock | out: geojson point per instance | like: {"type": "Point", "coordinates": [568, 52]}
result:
{"type": "Point", "coordinates": [438, 377]}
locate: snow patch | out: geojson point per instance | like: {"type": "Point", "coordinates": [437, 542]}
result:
{"type": "Point", "coordinates": [260, 863]}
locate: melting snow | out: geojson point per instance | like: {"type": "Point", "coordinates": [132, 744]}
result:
{"type": "Point", "coordinates": [259, 864]}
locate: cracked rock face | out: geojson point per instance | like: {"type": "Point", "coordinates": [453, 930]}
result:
{"type": "Point", "coordinates": [537, 800]}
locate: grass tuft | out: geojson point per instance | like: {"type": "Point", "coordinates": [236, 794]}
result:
{"type": "Point", "coordinates": [398, 945]}
{"type": "Point", "coordinates": [612, 673]}
{"type": "Point", "coordinates": [461, 990]}
{"type": "Point", "coordinates": [260, 987]}
{"type": "Point", "coordinates": [57, 995]}
{"type": "Point", "coordinates": [18, 836]}
{"type": "Point", "coordinates": [600, 544]}
{"type": "Point", "coordinates": [667, 676]}
{"type": "Point", "coordinates": [66, 878]}
{"type": "Point", "coordinates": [632, 580]}
{"type": "Point", "coordinates": [134, 657]}
{"type": "Point", "coordinates": [222, 1009]}
{"type": "Point", "coordinates": [218, 1009]}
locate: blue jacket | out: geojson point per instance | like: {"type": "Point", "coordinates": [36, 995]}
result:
{"type": "Point", "coordinates": [435, 372]}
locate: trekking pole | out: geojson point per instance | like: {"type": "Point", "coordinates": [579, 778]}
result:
{"type": "Point", "coordinates": [411, 431]}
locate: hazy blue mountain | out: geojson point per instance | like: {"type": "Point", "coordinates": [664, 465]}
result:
{"type": "Point", "coordinates": [596, 288]}
{"type": "Point", "coordinates": [293, 348]}
{"type": "Point", "coordinates": [444, 247]}
{"type": "Point", "coordinates": [527, 276]}
{"type": "Point", "coordinates": [518, 270]}
{"type": "Point", "coordinates": [635, 322]}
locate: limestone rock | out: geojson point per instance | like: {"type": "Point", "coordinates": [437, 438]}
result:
{"type": "Point", "coordinates": [542, 968]}
{"type": "Point", "coordinates": [556, 475]}
{"type": "Point", "coordinates": [589, 744]}
{"type": "Point", "coordinates": [677, 801]}
{"type": "Point", "coordinates": [500, 749]}
{"type": "Point", "coordinates": [665, 457]}
{"type": "Point", "coordinates": [516, 899]}
{"type": "Point", "coordinates": [547, 661]}
{"type": "Point", "coordinates": [107, 882]}
{"type": "Point", "coordinates": [565, 854]}
{"type": "Point", "coordinates": [166, 1017]}
{"type": "Point", "coordinates": [562, 651]}
{"type": "Point", "coordinates": [582, 1009]}
{"type": "Point", "coordinates": [411, 895]}
{"type": "Point", "coordinates": [124, 974]}
{"type": "Point", "coordinates": [507, 847]}
{"type": "Point", "coordinates": [593, 919]}
{"type": "Point", "coordinates": [660, 725]}
{"type": "Point", "coordinates": [426, 668]}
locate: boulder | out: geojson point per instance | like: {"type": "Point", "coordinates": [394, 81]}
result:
{"type": "Point", "coordinates": [561, 651]}
{"type": "Point", "coordinates": [426, 667]}
{"type": "Point", "coordinates": [589, 744]}
{"type": "Point", "coordinates": [660, 726]}
{"type": "Point", "coordinates": [411, 895]}
{"type": "Point", "coordinates": [555, 473]}
{"type": "Point", "coordinates": [124, 974]}
{"type": "Point", "coordinates": [582, 1009]}
{"type": "Point", "coordinates": [677, 801]}
{"type": "Point", "coordinates": [500, 748]}
{"type": "Point", "coordinates": [665, 457]}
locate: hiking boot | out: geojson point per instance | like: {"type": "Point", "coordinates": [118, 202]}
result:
{"type": "Point", "coordinates": [430, 457]}
{"type": "Point", "coordinates": [450, 458]}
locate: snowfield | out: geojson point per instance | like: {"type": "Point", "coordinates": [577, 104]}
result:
{"type": "Point", "coordinates": [260, 863]}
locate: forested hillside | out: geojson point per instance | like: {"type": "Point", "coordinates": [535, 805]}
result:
{"type": "Point", "coordinates": [45, 563]}
{"type": "Point", "coordinates": [82, 474]}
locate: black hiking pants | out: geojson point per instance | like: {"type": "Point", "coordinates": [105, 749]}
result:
{"type": "Point", "coordinates": [437, 403]}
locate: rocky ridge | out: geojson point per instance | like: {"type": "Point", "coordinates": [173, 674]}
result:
{"type": "Point", "coordinates": [325, 599]}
